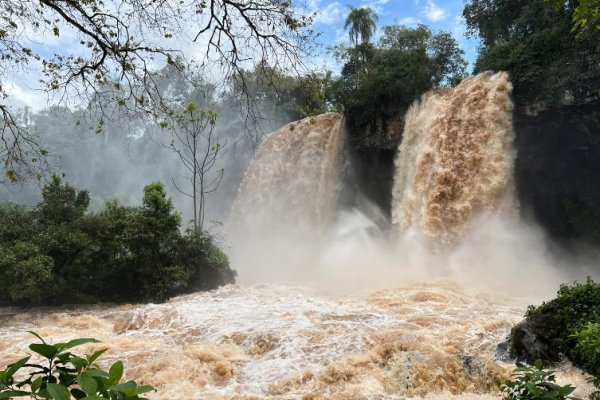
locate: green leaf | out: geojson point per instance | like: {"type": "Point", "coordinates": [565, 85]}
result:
{"type": "Point", "coordinates": [9, 394]}
{"type": "Point", "coordinates": [78, 393]}
{"type": "Point", "coordinates": [94, 372]}
{"type": "Point", "coordinates": [79, 363]}
{"type": "Point", "coordinates": [14, 368]}
{"type": "Point", "coordinates": [37, 336]}
{"type": "Point", "coordinates": [58, 392]}
{"type": "Point", "coordinates": [75, 343]}
{"type": "Point", "coordinates": [139, 390]}
{"type": "Point", "coordinates": [123, 387]}
{"type": "Point", "coordinates": [87, 383]}
{"type": "Point", "coordinates": [116, 372]}
{"type": "Point", "coordinates": [45, 350]}
{"type": "Point", "coordinates": [36, 384]}
{"type": "Point", "coordinates": [95, 355]}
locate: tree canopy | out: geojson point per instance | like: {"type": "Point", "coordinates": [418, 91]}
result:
{"type": "Point", "coordinates": [361, 24]}
{"type": "Point", "coordinates": [377, 81]}
{"type": "Point", "coordinates": [115, 45]}
{"type": "Point", "coordinates": [548, 63]}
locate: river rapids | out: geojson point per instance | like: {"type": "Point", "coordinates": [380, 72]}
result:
{"type": "Point", "coordinates": [431, 340]}
{"type": "Point", "coordinates": [417, 313]}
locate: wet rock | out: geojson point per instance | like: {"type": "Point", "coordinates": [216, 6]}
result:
{"type": "Point", "coordinates": [530, 340]}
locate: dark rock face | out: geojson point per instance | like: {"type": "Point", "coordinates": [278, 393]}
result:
{"type": "Point", "coordinates": [373, 172]}
{"type": "Point", "coordinates": [557, 170]}
{"type": "Point", "coordinates": [530, 340]}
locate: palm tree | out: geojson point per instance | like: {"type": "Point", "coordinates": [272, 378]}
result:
{"type": "Point", "coordinates": [362, 23]}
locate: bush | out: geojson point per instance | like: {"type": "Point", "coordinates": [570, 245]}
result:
{"type": "Point", "coordinates": [64, 376]}
{"type": "Point", "coordinates": [58, 253]}
{"type": "Point", "coordinates": [588, 343]}
{"type": "Point", "coordinates": [534, 383]}
{"type": "Point", "coordinates": [572, 310]}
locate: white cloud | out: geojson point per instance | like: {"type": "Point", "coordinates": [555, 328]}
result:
{"type": "Point", "coordinates": [20, 96]}
{"type": "Point", "coordinates": [375, 5]}
{"type": "Point", "coordinates": [408, 21]}
{"type": "Point", "coordinates": [433, 12]}
{"type": "Point", "coordinates": [328, 15]}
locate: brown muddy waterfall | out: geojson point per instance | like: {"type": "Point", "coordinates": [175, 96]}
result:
{"type": "Point", "coordinates": [456, 159]}
{"type": "Point", "coordinates": [294, 176]}
{"type": "Point", "coordinates": [376, 317]}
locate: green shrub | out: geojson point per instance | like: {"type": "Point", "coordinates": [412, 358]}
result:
{"type": "Point", "coordinates": [534, 383]}
{"type": "Point", "coordinates": [588, 343]}
{"type": "Point", "coordinates": [64, 376]}
{"type": "Point", "coordinates": [572, 310]}
{"type": "Point", "coordinates": [58, 253]}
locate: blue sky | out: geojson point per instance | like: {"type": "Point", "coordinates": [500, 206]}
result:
{"type": "Point", "coordinates": [437, 14]}
{"type": "Point", "coordinates": [330, 16]}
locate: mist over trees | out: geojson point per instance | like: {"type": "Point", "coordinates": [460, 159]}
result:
{"type": "Point", "coordinates": [115, 46]}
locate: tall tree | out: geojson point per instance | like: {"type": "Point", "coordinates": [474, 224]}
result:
{"type": "Point", "coordinates": [114, 44]}
{"type": "Point", "coordinates": [198, 149]}
{"type": "Point", "coordinates": [361, 24]}
{"type": "Point", "coordinates": [406, 63]}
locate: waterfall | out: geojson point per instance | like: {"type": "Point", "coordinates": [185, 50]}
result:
{"type": "Point", "coordinates": [456, 159]}
{"type": "Point", "coordinates": [294, 177]}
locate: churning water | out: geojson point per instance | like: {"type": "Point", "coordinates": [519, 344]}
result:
{"type": "Point", "coordinates": [414, 315]}
{"type": "Point", "coordinates": [278, 342]}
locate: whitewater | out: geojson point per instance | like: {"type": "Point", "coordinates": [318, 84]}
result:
{"type": "Point", "coordinates": [331, 306]}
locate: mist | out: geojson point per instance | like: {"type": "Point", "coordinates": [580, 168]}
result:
{"type": "Point", "coordinates": [455, 211]}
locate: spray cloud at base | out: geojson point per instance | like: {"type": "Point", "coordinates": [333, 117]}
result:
{"type": "Point", "coordinates": [454, 209]}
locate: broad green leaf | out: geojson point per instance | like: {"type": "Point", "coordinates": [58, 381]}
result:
{"type": "Point", "coordinates": [79, 363]}
{"type": "Point", "coordinates": [123, 387]}
{"type": "Point", "coordinates": [78, 393]}
{"type": "Point", "coordinates": [116, 372]}
{"type": "Point", "coordinates": [139, 390]}
{"type": "Point", "coordinates": [75, 343]}
{"type": "Point", "coordinates": [36, 384]}
{"type": "Point", "coordinates": [94, 372]}
{"type": "Point", "coordinates": [58, 392]}
{"type": "Point", "coordinates": [94, 356]}
{"type": "Point", "coordinates": [14, 368]}
{"type": "Point", "coordinates": [45, 350]}
{"type": "Point", "coordinates": [87, 383]}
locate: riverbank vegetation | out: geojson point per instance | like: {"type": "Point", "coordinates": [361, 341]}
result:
{"type": "Point", "coordinates": [57, 252]}
{"type": "Point", "coordinates": [567, 326]}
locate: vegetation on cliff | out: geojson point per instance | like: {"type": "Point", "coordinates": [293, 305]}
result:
{"type": "Point", "coordinates": [566, 325]}
{"type": "Point", "coordinates": [548, 62]}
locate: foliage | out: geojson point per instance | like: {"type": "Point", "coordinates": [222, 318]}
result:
{"type": "Point", "coordinates": [586, 15]}
{"type": "Point", "coordinates": [283, 97]}
{"type": "Point", "coordinates": [114, 45]}
{"type": "Point", "coordinates": [376, 81]}
{"type": "Point", "coordinates": [575, 307]}
{"type": "Point", "coordinates": [547, 62]}
{"type": "Point", "coordinates": [58, 253]}
{"type": "Point", "coordinates": [588, 343]}
{"type": "Point", "coordinates": [534, 383]}
{"type": "Point", "coordinates": [64, 376]}
{"type": "Point", "coordinates": [361, 23]}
